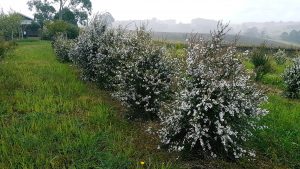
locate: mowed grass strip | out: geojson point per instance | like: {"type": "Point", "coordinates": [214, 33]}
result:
{"type": "Point", "coordinates": [50, 119]}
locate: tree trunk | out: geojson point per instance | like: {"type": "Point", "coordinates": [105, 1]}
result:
{"type": "Point", "coordinates": [60, 9]}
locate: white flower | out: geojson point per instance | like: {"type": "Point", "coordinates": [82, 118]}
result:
{"type": "Point", "coordinates": [215, 104]}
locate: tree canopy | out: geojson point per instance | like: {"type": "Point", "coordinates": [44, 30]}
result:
{"type": "Point", "coordinates": [293, 36]}
{"type": "Point", "coordinates": [68, 10]}
{"type": "Point", "coordinates": [9, 24]}
{"type": "Point", "coordinates": [44, 10]}
{"type": "Point", "coordinates": [67, 16]}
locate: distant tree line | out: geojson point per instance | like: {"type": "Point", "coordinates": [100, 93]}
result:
{"type": "Point", "coordinates": [293, 36]}
{"type": "Point", "coordinates": [254, 32]}
{"type": "Point", "coordinates": [60, 16]}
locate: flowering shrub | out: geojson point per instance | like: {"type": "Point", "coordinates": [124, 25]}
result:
{"type": "Point", "coordinates": [110, 58]}
{"type": "Point", "coordinates": [91, 45]}
{"type": "Point", "coordinates": [291, 78]}
{"type": "Point", "coordinates": [145, 77]}
{"type": "Point", "coordinates": [261, 62]}
{"type": "Point", "coordinates": [217, 106]}
{"type": "Point", "coordinates": [280, 57]}
{"type": "Point", "coordinates": [61, 47]}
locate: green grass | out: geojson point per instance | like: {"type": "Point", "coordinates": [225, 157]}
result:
{"type": "Point", "coordinates": [274, 77]}
{"type": "Point", "coordinates": [281, 140]}
{"type": "Point", "coordinates": [49, 118]}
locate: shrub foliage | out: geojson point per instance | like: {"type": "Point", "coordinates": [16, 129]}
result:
{"type": "Point", "coordinates": [211, 109]}
{"type": "Point", "coordinates": [291, 78]}
{"type": "Point", "coordinates": [89, 47]}
{"type": "Point", "coordinates": [280, 57]}
{"type": "Point", "coordinates": [261, 62]}
{"type": "Point", "coordinates": [58, 27]}
{"type": "Point", "coordinates": [144, 81]}
{"type": "Point", "coordinates": [62, 47]}
{"type": "Point", "coordinates": [217, 106]}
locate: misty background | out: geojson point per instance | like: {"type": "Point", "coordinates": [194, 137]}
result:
{"type": "Point", "coordinates": [276, 20]}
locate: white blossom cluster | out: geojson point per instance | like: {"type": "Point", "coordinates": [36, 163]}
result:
{"type": "Point", "coordinates": [145, 80]}
{"type": "Point", "coordinates": [62, 46]}
{"type": "Point", "coordinates": [280, 57]}
{"type": "Point", "coordinates": [111, 57]}
{"type": "Point", "coordinates": [127, 62]}
{"type": "Point", "coordinates": [246, 53]}
{"type": "Point", "coordinates": [291, 78]}
{"type": "Point", "coordinates": [216, 109]}
{"type": "Point", "coordinates": [93, 50]}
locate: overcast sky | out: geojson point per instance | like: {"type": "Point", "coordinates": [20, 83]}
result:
{"type": "Point", "coordinates": [236, 11]}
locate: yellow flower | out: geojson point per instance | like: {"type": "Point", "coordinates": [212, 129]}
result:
{"type": "Point", "coordinates": [142, 162]}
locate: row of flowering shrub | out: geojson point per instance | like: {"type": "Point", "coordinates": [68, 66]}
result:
{"type": "Point", "coordinates": [206, 103]}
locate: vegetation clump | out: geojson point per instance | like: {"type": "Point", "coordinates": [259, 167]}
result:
{"type": "Point", "coordinates": [56, 28]}
{"type": "Point", "coordinates": [129, 63]}
{"type": "Point", "coordinates": [6, 46]}
{"type": "Point", "coordinates": [217, 105]}
{"type": "Point", "coordinates": [90, 46]}
{"type": "Point", "coordinates": [62, 47]}
{"type": "Point", "coordinates": [261, 62]}
{"type": "Point", "coordinates": [145, 80]}
{"type": "Point", "coordinates": [291, 78]}
{"type": "Point", "coordinates": [280, 57]}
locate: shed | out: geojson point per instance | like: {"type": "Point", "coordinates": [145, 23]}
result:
{"type": "Point", "coordinates": [27, 25]}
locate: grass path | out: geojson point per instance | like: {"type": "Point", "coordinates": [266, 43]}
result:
{"type": "Point", "coordinates": [51, 119]}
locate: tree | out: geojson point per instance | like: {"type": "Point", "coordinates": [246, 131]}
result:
{"type": "Point", "coordinates": [44, 10]}
{"type": "Point", "coordinates": [252, 32]}
{"type": "Point", "coordinates": [80, 8]}
{"type": "Point", "coordinates": [58, 27]}
{"type": "Point", "coordinates": [284, 36]}
{"type": "Point", "coordinates": [9, 24]}
{"type": "Point", "coordinates": [67, 16]}
{"type": "Point", "coordinates": [293, 36]}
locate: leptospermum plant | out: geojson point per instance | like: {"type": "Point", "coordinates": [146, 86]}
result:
{"type": "Point", "coordinates": [145, 80]}
{"type": "Point", "coordinates": [280, 57]}
{"type": "Point", "coordinates": [291, 78]}
{"type": "Point", "coordinates": [218, 105]}
{"type": "Point", "coordinates": [62, 47]}
{"type": "Point", "coordinates": [90, 46]}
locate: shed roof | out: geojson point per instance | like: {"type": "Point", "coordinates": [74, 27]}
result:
{"type": "Point", "coordinates": [26, 17]}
